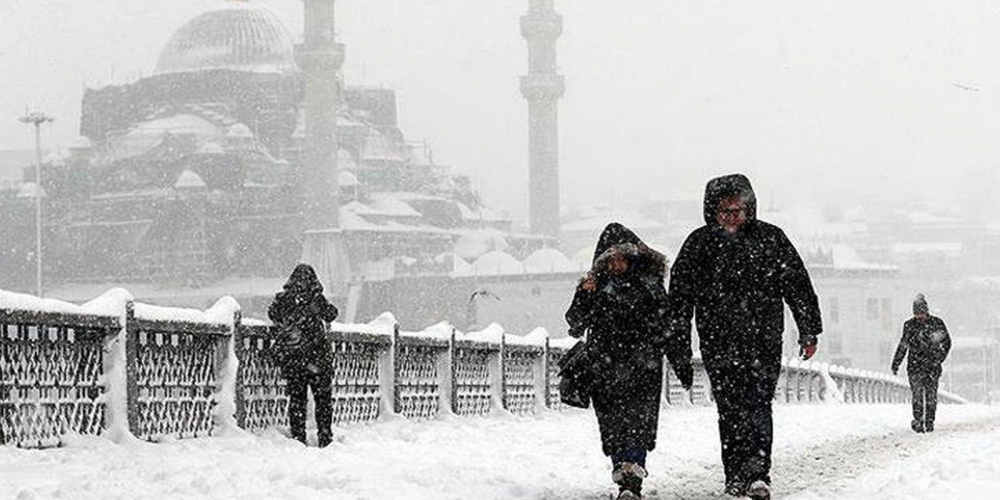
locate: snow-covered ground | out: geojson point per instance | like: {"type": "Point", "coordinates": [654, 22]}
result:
{"type": "Point", "coordinates": [821, 452]}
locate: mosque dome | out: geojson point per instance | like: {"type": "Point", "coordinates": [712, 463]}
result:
{"type": "Point", "coordinates": [240, 36]}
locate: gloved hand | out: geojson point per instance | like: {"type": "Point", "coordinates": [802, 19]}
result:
{"type": "Point", "coordinates": [807, 346]}
{"type": "Point", "coordinates": [807, 351]}
{"type": "Point", "coordinates": [685, 375]}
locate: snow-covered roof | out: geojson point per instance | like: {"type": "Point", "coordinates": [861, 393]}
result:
{"type": "Point", "coordinates": [846, 257]}
{"type": "Point", "coordinates": [477, 242]}
{"type": "Point", "coordinates": [389, 205]}
{"type": "Point", "coordinates": [347, 179]}
{"type": "Point", "coordinates": [951, 249]}
{"type": "Point", "coordinates": [497, 263]}
{"type": "Point", "coordinates": [631, 220]}
{"type": "Point", "coordinates": [548, 260]}
{"type": "Point", "coordinates": [29, 190]}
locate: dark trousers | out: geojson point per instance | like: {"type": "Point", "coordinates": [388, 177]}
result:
{"type": "Point", "coordinates": [320, 384]}
{"type": "Point", "coordinates": [743, 393]}
{"type": "Point", "coordinates": [924, 387]}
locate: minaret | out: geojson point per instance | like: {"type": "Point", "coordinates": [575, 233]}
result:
{"type": "Point", "coordinates": [543, 87]}
{"type": "Point", "coordinates": [320, 58]}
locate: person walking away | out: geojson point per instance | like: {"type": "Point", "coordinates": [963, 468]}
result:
{"type": "Point", "coordinates": [620, 306]}
{"type": "Point", "coordinates": [734, 275]}
{"type": "Point", "coordinates": [927, 341]}
{"type": "Point", "coordinates": [305, 355]}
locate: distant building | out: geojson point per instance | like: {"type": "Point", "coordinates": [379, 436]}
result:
{"type": "Point", "coordinates": [863, 305]}
{"type": "Point", "coordinates": [190, 179]}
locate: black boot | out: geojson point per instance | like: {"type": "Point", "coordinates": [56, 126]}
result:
{"type": "Point", "coordinates": [629, 476]}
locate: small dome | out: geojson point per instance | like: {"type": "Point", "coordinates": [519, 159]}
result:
{"type": "Point", "coordinates": [346, 179]}
{"type": "Point", "coordinates": [189, 180]}
{"type": "Point", "coordinates": [211, 148]}
{"type": "Point", "coordinates": [239, 131]}
{"type": "Point", "coordinates": [240, 36]}
{"type": "Point", "coordinates": [548, 260]}
{"type": "Point", "coordinates": [497, 263]}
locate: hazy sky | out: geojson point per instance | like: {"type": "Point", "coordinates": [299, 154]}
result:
{"type": "Point", "coordinates": [814, 99]}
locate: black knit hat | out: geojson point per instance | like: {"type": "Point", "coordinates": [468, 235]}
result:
{"type": "Point", "coordinates": [920, 304]}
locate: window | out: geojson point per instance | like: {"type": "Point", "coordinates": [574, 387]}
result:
{"type": "Point", "coordinates": [834, 310]}
{"type": "Point", "coordinates": [836, 344]}
{"type": "Point", "coordinates": [872, 309]}
{"type": "Point", "coordinates": [887, 315]}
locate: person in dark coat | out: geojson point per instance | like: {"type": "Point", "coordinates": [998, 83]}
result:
{"type": "Point", "coordinates": [620, 306]}
{"type": "Point", "coordinates": [299, 311]}
{"type": "Point", "coordinates": [926, 339]}
{"type": "Point", "coordinates": [734, 275]}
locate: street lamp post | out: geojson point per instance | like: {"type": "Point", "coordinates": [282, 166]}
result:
{"type": "Point", "coordinates": [37, 118]}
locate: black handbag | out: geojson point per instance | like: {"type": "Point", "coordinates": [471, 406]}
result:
{"type": "Point", "coordinates": [576, 377]}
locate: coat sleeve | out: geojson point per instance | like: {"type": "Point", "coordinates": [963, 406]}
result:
{"type": "Point", "coordinates": [682, 295]}
{"type": "Point", "coordinates": [798, 293]}
{"type": "Point", "coordinates": [328, 311]}
{"type": "Point", "coordinates": [580, 313]}
{"type": "Point", "coordinates": [680, 312]}
{"type": "Point", "coordinates": [276, 311]}
{"type": "Point", "coordinates": [904, 345]}
{"type": "Point", "coordinates": [945, 343]}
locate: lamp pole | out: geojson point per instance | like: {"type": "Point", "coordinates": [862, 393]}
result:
{"type": "Point", "coordinates": [37, 118]}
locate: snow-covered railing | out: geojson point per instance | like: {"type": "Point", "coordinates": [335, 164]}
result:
{"type": "Point", "coordinates": [810, 382]}
{"type": "Point", "coordinates": [129, 370]}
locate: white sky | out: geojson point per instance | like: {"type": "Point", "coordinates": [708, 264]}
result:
{"type": "Point", "coordinates": [813, 99]}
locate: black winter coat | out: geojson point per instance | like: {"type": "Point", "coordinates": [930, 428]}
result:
{"type": "Point", "coordinates": [624, 320]}
{"type": "Point", "coordinates": [928, 344]}
{"type": "Point", "coordinates": [302, 303]}
{"type": "Point", "coordinates": [736, 285]}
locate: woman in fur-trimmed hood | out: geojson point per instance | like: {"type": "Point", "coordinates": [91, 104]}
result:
{"type": "Point", "coordinates": [620, 305]}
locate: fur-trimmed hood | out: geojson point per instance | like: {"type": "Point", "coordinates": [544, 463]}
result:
{"type": "Point", "coordinates": [618, 239]}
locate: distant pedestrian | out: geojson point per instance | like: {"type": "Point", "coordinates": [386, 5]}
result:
{"type": "Point", "coordinates": [926, 339]}
{"type": "Point", "coordinates": [303, 351]}
{"type": "Point", "coordinates": [734, 276]}
{"type": "Point", "coordinates": [620, 306]}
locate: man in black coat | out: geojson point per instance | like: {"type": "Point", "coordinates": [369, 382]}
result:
{"type": "Point", "coordinates": [927, 340]}
{"type": "Point", "coordinates": [305, 354]}
{"type": "Point", "coordinates": [734, 275]}
{"type": "Point", "coordinates": [620, 305]}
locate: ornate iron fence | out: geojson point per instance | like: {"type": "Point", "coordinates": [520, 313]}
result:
{"type": "Point", "coordinates": [50, 375]}
{"type": "Point", "coordinates": [54, 375]}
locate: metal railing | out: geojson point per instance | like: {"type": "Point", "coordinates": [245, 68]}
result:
{"type": "Point", "coordinates": [176, 373]}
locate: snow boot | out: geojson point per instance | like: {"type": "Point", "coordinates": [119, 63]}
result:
{"type": "Point", "coordinates": [759, 490]}
{"type": "Point", "coordinates": [917, 426]}
{"type": "Point", "coordinates": [629, 476]}
{"type": "Point", "coordinates": [736, 488]}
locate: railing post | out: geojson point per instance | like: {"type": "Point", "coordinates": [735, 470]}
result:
{"type": "Point", "coordinates": [239, 392]}
{"type": "Point", "coordinates": [388, 404]}
{"type": "Point", "coordinates": [132, 367]}
{"type": "Point", "coordinates": [446, 376]}
{"type": "Point", "coordinates": [540, 375]}
{"type": "Point", "coordinates": [454, 372]}
{"type": "Point", "coordinates": [546, 355]}
{"type": "Point", "coordinates": [498, 375]}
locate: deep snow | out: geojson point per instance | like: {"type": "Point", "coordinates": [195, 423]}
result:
{"type": "Point", "coordinates": [821, 451]}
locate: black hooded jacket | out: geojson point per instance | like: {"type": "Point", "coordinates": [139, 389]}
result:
{"type": "Point", "coordinates": [927, 341]}
{"type": "Point", "coordinates": [735, 285]}
{"type": "Point", "coordinates": [624, 319]}
{"type": "Point", "coordinates": [301, 303]}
